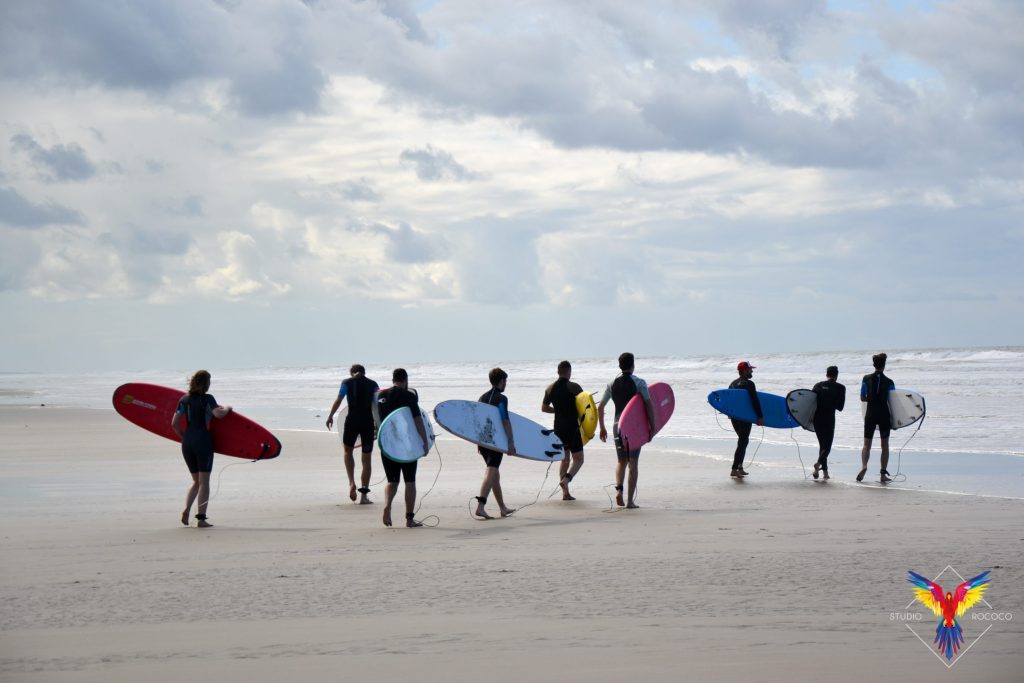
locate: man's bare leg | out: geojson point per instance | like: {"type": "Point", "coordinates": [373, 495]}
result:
{"type": "Point", "coordinates": [865, 453]}
{"type": "Point", "coordinates": [364, 478]}
{"type": "Point", "coordinates": [885, 460]}
{"type": "Point", "coordinates": [203, 499]}
{"type": "Point", "coordinates": [634, 467]}
{"type": "Point", "coordinates": [389, 497]}
{"type": "Point", "coordinates": [190, 498]}
{"type": "Point", "coordinates": [569, 473]}
{"type": "Point", "coordinates": [485, 490]}
{"type": "Point", "coordinates": [620, 475]}
{"type": "Point", "coordinates": [499, 497]}
{"type": "Point", "coordinates": [410, 504]}
{"type": "Point", "coordinates": [350, 469]}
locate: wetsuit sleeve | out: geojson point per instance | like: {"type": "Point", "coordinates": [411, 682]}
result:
{"type": "Point", "coordinates": [182, 402]}
{"type": "Point", "coordinates": [575, 389]}
{"type": "Point", "coordinates": [374, 386]}
{"type": "Point", "coordinates": [641, 388]}
{"type": "Point", "coordinates": [754, 401]}
{"type": "Point", "coordinates": [547, 395]}
{"type": "Point", "coordinates": [607, 395]}
{"type": "Point", "coordinates": [343, 391]}
{"type": "Point", "coordinates": [211, 403]}
{"type": "Point", "coordinates": [864, 389]}
{"type": "Point", "coordinates": [414, 403]}
{"type": "Point", "coordinates": [841, 403]}
{"type": "Point", "coordinates": [503, 408]}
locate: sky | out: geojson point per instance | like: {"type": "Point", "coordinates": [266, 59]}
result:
{"type": "Point", "coordinates": [244, 183]}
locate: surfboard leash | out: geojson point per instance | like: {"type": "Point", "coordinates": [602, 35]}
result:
{"type": "Point", "coordinates": [798, 455]}
{"type": "Point", "coordinates": [540, 490]}
{"type": "Point", "coordinates": [899, 454]}
{"type": "Point", "coordinates": [440, 466]}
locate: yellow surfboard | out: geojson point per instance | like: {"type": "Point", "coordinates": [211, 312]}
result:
{"type": "Point", "coordinates": [586, 410]}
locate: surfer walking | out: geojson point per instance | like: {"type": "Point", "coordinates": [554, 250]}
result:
{"type": "Point", "coordinates": [492, 459]}
{"type": "Point", "coordinates": [742, 429]}
{"type": "Point", "coordinates": [198, 408]}
{"type": "Point", "coordinates": [560, 400]}
{"type": "Point", "coordinates": [874, 391]}
{"type": "Point", "coordinates": [388, 401]}
{"type": "Point", "coordinates": [831, 396]}
{"type": "Point", "coordinates": [360, 391]}
{"type": "Point", "coordinates": [620, 391]}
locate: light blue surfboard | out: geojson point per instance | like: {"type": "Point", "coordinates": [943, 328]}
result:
{"type": "Point", "coordinates": [399, 439]}
{"type": "Point", "coordinates": [735, 403]}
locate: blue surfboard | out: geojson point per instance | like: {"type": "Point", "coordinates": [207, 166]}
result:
{"type": "Point", "coordinates": [735, 403]}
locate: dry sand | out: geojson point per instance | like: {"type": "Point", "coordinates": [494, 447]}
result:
{"type": "Point", "coordinates": [712, 579]}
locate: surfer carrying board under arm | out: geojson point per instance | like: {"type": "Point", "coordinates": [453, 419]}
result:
{"type": "Point", "coordinates": [874, 391]}
{"type": "Point", "coordinates": [360, 391]}
{"type": "Point", "coordinates": [742, 429]}
{"type": "Point", "coordinates": [620, 391]}
{"type": "Point", "coordinates": [830, 396]}
{"type": "Point", "coordinates": [198, 409]}
{"type": "Point", "coordinates": [560, 400]}
{"type": "Point", "coordinates": [388, 400]}
{"type": "Point", "coordinates": [492, 476]}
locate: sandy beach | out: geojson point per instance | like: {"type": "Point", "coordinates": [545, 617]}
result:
{"type": "Point", "coordinates": [770, 579]}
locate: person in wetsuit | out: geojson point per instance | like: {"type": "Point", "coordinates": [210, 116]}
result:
{"type": "Point", "coordinates": [388, 401]}
{"type": "Point", "coordinates": [360, 391]}
{"type": "Point", "coordinates": [742, 429]}
{"type": "Point", "coordinates": [620, 391]}
{"type": "Point", "coordinates": [198, 409]}
{"type": "Point", "coordinates": [492, 459]}
{"type": "Point", "coordinates": [831, 396]}
{"type": "Point", "coordinates": [874, 391]}
{"type": "Point", "coordinates": [560, 400]}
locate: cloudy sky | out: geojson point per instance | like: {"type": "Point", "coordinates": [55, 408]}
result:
{"type": "Point", "coordinates": [250, 183]}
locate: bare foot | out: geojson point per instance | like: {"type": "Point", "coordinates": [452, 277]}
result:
{"type": "Point", "coordinates": [815, 472]}
{"type": "Point", "coordinates": [618, 499]}
{"type": "Point", "coordinates": [412, 523]}
{"type": "Point", "coordinates": [505, 512]}
{"type": "Point", "coordinates": [565, 489]}
{"type": "Point", "coordinates": [825, 474]}
{"type": "Point", "coordinates": [184, 517]}
{"type": "Point", "coordinates": [387, 515]}
{"type": "Point", "coordinates": [365, 500]}
{"type": "Point", "coordinates": [352, 492]}
{"type": "Point", "coordinates": [203, 524]}
{"type": "Point", "coordinates": [632, 506]}
{"type": "Point", "coordinates": [482, 514]}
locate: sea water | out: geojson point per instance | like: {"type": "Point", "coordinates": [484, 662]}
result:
{"type": "Point", "coordinates": [967, 444]}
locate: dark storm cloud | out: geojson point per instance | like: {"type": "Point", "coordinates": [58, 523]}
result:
{"type": "Point", "coordinates": [435, 164]}
{"type": "Point", "coordinates": [57, 163]}
{"type": "Point", "coordinates": [19, 212]}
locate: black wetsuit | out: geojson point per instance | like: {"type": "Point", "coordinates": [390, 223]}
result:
{"type": "Point", "coordinates": [875, 390]}
{"type": "Point", "coordinates": [741, 428]}
{"type": "Point", "coordinates": [494, 397]}
{"type": "Point", "coordinates": [197, 443]}
{"type": "Point", "coordinates": [561, 395]}
{"type": "Point", "coordinates": [831, 397]}
{"type": "Point", "coordinates": [359, 390]}
{"type": "Point", "coordinates": [388, 401]}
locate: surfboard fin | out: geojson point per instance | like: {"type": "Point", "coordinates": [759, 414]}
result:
{"type": "Point", "coordinates": [551, 454]}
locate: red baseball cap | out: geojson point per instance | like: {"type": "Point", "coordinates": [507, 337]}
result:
{"type": "Point", "coordinates": [744, 366]}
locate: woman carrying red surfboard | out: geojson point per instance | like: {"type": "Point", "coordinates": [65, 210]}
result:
{"type": "Point", "coordinates": [199, 409]}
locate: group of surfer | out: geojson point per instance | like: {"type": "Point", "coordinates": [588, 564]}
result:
{"type": "Point", "coordinates": [830, 397]}
{"type": "Point", "coordinates": [368, 406]}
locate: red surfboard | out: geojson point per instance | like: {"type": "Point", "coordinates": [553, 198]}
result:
{"type": "Point", "coordinates": [634, 429]}
{"type": "Point", "coordinates": [151, 407]}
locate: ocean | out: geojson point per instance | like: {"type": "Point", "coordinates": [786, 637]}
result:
{"type": "Point", "coordinates": [968, 444]}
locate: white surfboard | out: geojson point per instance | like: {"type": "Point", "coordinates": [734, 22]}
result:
{"type": "Point", "coordinates": [802, 403]}
{"type": "Point", "coordinates": [480, 423]}
{"type": "Point", "coordinates": [399, 439]}
{"type": "Point", "coordinates": [905, 407]}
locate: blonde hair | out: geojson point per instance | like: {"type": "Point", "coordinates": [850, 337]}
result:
{"type": "Point", "coordinates": [200, 382]}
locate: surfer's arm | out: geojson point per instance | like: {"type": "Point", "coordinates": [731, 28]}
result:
{"type": "Point", "coordinates": [334, 409]}
{"type": "Point", "coordinates": [507, 424]}
{"type": "Point", "coordinates": [176, 425]}
{"type": "Point", "coordinates": [605, 397]}
{"type": "Point", "coordinates": [221, 411]}
{"type": "Point", "coordinates": [422, 432]}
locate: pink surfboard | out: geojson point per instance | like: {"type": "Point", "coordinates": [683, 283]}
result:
{"type": "Point", "coordinates": [151, 407]}
{"type": "Point", "coordinates": [634, 428]}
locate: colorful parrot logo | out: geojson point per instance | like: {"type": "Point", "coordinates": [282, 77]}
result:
{"type": "Point", "coordinates": [948, 634]}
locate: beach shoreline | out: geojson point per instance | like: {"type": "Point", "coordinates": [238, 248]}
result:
{"type": "Point", "coordinates": [767, 579]}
